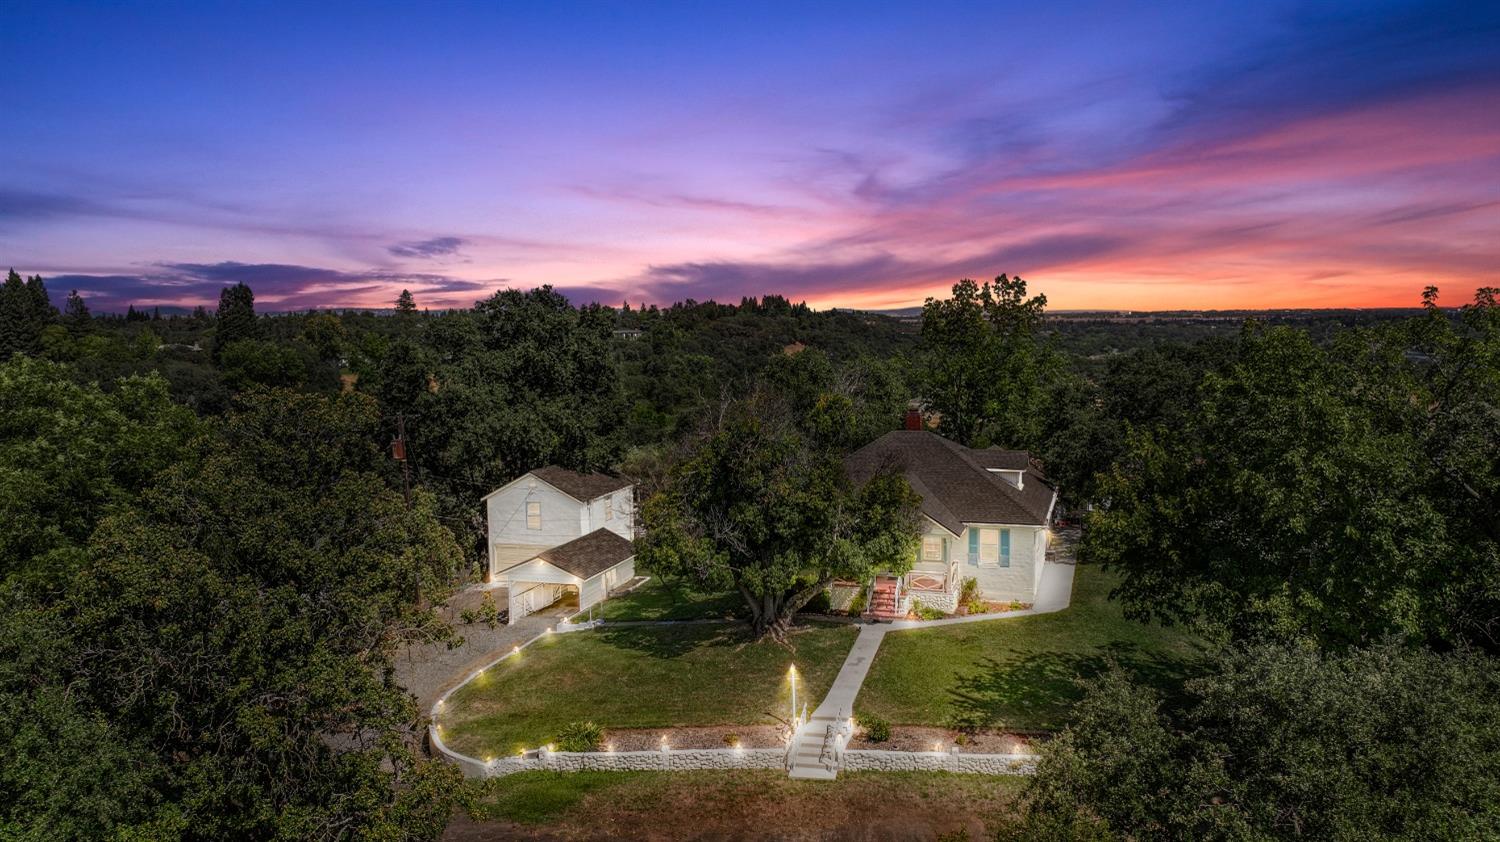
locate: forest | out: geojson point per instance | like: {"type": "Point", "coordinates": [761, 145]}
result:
{"type": "Point", "coordinates": [209, 557]}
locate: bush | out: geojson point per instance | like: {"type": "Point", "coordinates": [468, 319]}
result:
{"type": "Point", "coordinates": [580, 736]}
{"type": "Point", "coordinates": [486, 613]}
{"type": "Point", "coordinates": [821, 603]}
{"type": "Point", "coordinates": [926, 612]}
{"type": "Point", "coordinates": [877, 730]}
{"type": "Point", "coordinates": [857, 604]}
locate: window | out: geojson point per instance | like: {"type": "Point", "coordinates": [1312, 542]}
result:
{"type": "Point", "coordinates": [932, 548]}
{"type": "Point", "coordinates": [533, 515]}
{"type": "Point", "coordinates": [989, 546]}
{"type": "Point", "coordinates": [1005, 548]}
{"type": "Point", "coordinates": [609, 508]}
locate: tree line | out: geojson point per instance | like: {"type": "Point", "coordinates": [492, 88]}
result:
{"type": "Point", "coordinates": [208, 562]}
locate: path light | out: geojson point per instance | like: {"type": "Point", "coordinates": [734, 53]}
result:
{"type": "Point", "coordinates": [516, 650]}
{"type": "Point", "coordinates": [792, 671]}
{"type": "Point", "coordinates": [937, 747]}
{"type": "Point", "coordinates": [609, 747]}
{"type": "Point", "coordinates": [664, 746]}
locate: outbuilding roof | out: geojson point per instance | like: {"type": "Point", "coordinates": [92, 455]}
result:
{"type": "Point", "coordinates": [581, 487]}
{"type": "Point", "coordinates": [590, 555]}
{"type": "Point", "coordinates": [958, 485]}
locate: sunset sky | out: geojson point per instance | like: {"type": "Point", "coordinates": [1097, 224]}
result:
{"type": "Point", "coordinates": [1140, 156]}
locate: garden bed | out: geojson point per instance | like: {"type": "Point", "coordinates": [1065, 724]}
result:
{"type": "Point", "coordinates": [928, 738]}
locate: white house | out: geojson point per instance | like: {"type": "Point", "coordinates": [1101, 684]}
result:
{"type": "Point", "coordinates": [552, 530]}
{"type": "Point", "coordinates": [985, 515]}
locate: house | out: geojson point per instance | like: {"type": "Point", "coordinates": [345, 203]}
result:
{"type": "Point", "coordinates": [985, 515]}
{"type": "Point", "coordinates": [552, 530]}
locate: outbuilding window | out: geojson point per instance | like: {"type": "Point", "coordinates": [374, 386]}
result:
{"type": "Point", "coordinates": [533, 515]}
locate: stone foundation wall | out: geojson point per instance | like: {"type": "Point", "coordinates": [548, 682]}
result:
{"type": "Point", "coordinates": [944, 601]}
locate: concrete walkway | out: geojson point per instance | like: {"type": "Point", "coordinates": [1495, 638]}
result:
{"type": "Point", "coordinates": [1054, 593]}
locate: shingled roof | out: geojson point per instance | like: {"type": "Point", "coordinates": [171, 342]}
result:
{"type": "Point", "coordinates": [581, 487]}
{"type": "Point", "coordinates": [958, 485]}
{"type": "Point", "coordinates": [590, 555]}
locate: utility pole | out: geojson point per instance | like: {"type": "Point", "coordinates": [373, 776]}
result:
{"type": "Point", "coordinates": [398, 452]}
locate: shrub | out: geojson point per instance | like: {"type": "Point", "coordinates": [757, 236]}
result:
{"type": "Point", "coordinates": [821, 603]}
{"type": "Point", "coordinates": [487, 612]}
{"type": "Point", "coordinates": [731, 740]}
{"type": "Point", "coordinates": [969, 591]}
{"type": "Point", "coordinates": [857, 604]}
{"type": "Point", "coordinates": [580, 736]}
{"type": "Point", "coordinates": [926, 612]}
{"type": "Point", "coordinates": [877, 730]}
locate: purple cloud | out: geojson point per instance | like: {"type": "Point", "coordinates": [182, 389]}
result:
{"type": "Point", "coordinates": [435, 247]}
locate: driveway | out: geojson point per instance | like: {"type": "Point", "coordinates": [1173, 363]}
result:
{"type": "Point", "coordinates": [429, 670]}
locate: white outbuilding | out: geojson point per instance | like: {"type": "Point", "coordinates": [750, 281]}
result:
{"type": "Point", "coordinates": [553, 530]}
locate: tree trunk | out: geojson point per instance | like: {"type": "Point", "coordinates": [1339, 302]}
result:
{"type": "Point", "coordinates": [771, 614]}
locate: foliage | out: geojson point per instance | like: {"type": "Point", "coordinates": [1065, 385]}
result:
{"type": "Point", "coordinates": [758, 508]}
{"type": "Point", "coordinates": [985, 370]}
{"type": "Point", "coordinates": [70, 453]}
{"type": "Point", "coordinates": [232, 636]}
{"type": "Point", "coordinates": [25, 312]}
{"type": "Point", "coordinates": [859, 602]}
{"type": "Point", "coordinates": [580, 736]}
{"type": "Point", "coordinates": [1281, 743]}
{"type": "Point", "coordinates": [235, 320]}
{"type": "Point", "coordinates": [876, 728]}
{"type": "Point", "coordinates": [1340, 494]}
{"type": "Point", "coordinates": [486, 613]}
{"type": "Point", "coordinates": [524, 381]}
{"type": "Point", "coordinates": [405, 304]}
{"type": "Point", "coordinates": [926, 612]}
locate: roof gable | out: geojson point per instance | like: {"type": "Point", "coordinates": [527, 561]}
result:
{"type": "Point", "coordinates": [957, 484]}
{"type": "Point", "coordinates": [590, 555]}
{"type": "Point", "coordinates": [581, 487]}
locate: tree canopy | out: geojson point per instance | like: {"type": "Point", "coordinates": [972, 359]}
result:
{"type": "Point", "coordinates": [758, 507]}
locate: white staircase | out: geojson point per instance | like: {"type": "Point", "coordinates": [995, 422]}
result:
{"type": "Point", "coordinates": [817, 752]}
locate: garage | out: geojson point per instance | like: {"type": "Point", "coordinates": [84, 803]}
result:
{"type": "Point", "coordinates": [591, 566]}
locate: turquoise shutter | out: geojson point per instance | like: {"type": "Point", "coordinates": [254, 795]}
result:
{"type": "Point", "coordinates": [973, 546]}
{"type": "Point", "coordinates": [1005, 548]}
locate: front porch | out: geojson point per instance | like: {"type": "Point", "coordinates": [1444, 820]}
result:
{"type": "Point", "coordinates": [934, 585]}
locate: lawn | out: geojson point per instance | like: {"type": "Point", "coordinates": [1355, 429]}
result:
{"type": "Point", "coordinates": [740, 804]}
{"type": "Point", "coordinates": [657, 600]}
{"type": "Point", "coordinates": [1020, 674]}
{"type": "Point", "coordinates": [640, 677]}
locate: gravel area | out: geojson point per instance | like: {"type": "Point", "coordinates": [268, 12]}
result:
{"type": "Point", "coordinates": [922, 738]}
{"type": "Point", "coordinates": [711, 736]}
{"type": "Point", "coordinates": [427, 671]}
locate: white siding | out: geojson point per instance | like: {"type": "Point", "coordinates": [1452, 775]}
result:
{"type": "Point", "coordinates": [1017, 582]}
{"type": "Point", "coordinates": [622, 523]}
{"type": "Point", "coordinates": [509, 539]}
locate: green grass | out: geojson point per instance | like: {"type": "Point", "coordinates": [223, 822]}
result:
{"type": "Point", "coordinates": [703, 804]}
{"type": "Point", "coordinates": [640, 677]}
{"type": "Point", "coordinates": [657, 600]}
{"type": "Point", "coordinates": [1021, 673]}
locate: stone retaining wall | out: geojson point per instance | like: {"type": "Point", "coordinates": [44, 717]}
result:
{"type": "Point", "coordinates": [875, 760]}
{"type": "Point", "coordinates": [649, 761]}
{"type": "Point", "coordinates": [688, 759]}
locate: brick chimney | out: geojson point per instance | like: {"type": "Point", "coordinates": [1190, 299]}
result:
{"type": "Point", "coordinates": [913, 419]}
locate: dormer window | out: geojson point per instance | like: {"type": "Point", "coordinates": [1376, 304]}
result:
{"type": "Point", "coordinates": [533, 515]}
{"type": "Point", "coordinates": [1014, 477]}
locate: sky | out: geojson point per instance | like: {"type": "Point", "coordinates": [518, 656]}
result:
{"type": "Point", "coordinates": [862, 154]}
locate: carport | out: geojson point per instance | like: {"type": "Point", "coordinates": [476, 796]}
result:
{"type": "Point", "coordinates": [591, 565]}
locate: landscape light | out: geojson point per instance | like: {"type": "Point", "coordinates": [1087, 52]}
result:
{"type": "Point", "coordinates": [609, 747]}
